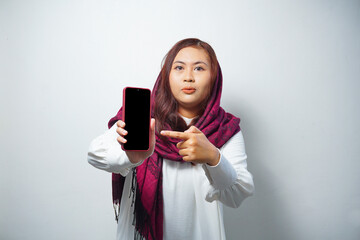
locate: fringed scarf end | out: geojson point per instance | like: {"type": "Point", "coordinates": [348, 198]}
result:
{"type": "Point", "coordinates": [116, 206]}
{"type": "Point", "coordinates": [133, 192]}
{"type": "Point", "coordinates": [138, 236]}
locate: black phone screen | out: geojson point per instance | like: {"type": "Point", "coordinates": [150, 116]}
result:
{"type": "Point", "coordinates": [137, 118]}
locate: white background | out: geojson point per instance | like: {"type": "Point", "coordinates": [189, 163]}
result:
{"type": "Point", "coordinates": [291, 72]}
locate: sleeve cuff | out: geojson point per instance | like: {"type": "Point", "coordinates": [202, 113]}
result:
{"type": "Point", "coordinates": [106, 153]}
{"type": "Point", "coordinates": [123, 164]}
{"type": "Point", "coordinates": [222, 175]}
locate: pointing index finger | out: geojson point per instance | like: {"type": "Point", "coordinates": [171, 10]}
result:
{"type": "Point", "coordinates": [175, 134]}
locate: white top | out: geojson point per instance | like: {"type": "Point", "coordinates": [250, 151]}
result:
{"type": "Point", "coordinates": [193, 195]}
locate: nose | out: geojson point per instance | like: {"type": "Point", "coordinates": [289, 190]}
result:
{"type": "Point", "coordinates": [189, 76]}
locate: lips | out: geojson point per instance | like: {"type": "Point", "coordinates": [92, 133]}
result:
{"type": "Point", "coordinates": [188, 90]}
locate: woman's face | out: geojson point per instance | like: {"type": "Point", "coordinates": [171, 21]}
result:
{"type": "Point", "coordinates": [190, 80]}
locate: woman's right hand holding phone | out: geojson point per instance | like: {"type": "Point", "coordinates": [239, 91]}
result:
{"type": "Point", "coordinates": [136, 156]}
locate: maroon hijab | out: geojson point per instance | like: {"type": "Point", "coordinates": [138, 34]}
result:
{"type": "Point", "coordinates": [217, 125]}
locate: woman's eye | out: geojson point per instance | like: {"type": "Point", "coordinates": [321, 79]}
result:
{"type": "Point", "coordinates": [178, 67]}
{"type": "Point", "coordinates": [199, 68]}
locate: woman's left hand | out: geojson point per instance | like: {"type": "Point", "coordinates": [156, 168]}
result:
{"type": "Point", "coordinates": [195, 147]}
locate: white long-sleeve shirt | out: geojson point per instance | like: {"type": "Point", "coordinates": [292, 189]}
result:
{"type": "Point", "coordinates": [193, 195]}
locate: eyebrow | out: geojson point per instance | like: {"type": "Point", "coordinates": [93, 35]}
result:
{"type": "Point", "coordinates": [193, 63]}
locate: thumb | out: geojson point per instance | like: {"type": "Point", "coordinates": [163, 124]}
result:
{"type": "Point", "coordinates": [152, 126]}
{"type": "Point", "coordinates": [193, 129]}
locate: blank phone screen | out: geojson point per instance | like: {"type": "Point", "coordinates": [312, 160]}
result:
{"type": "Point", "coordinates": [137, 118]}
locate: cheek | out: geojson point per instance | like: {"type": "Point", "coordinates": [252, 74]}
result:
{"type": "Point", "coordinates": [205, 94]}
{"type": "Point", "coordinates": [207, 84]}
{"type": "Point", "coordinates": [173, 84]}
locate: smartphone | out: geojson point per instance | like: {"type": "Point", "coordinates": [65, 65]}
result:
{"type": "Point", "coordinates": [137, 115]}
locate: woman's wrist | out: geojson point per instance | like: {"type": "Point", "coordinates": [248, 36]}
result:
{"type": "Point", "coordinates": [216, 157]}
{"type": "Point", "coordinates": [134, 159]}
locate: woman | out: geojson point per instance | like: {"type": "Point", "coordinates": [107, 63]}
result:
{"type": "Point", "coordinates": [196, 162]}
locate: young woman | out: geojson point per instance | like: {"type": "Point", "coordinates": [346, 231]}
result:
{"type": "Point", "coordinates": [196, 161]}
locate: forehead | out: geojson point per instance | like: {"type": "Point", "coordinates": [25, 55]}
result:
{"type": "Point", "coordinates": [192, 54]}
